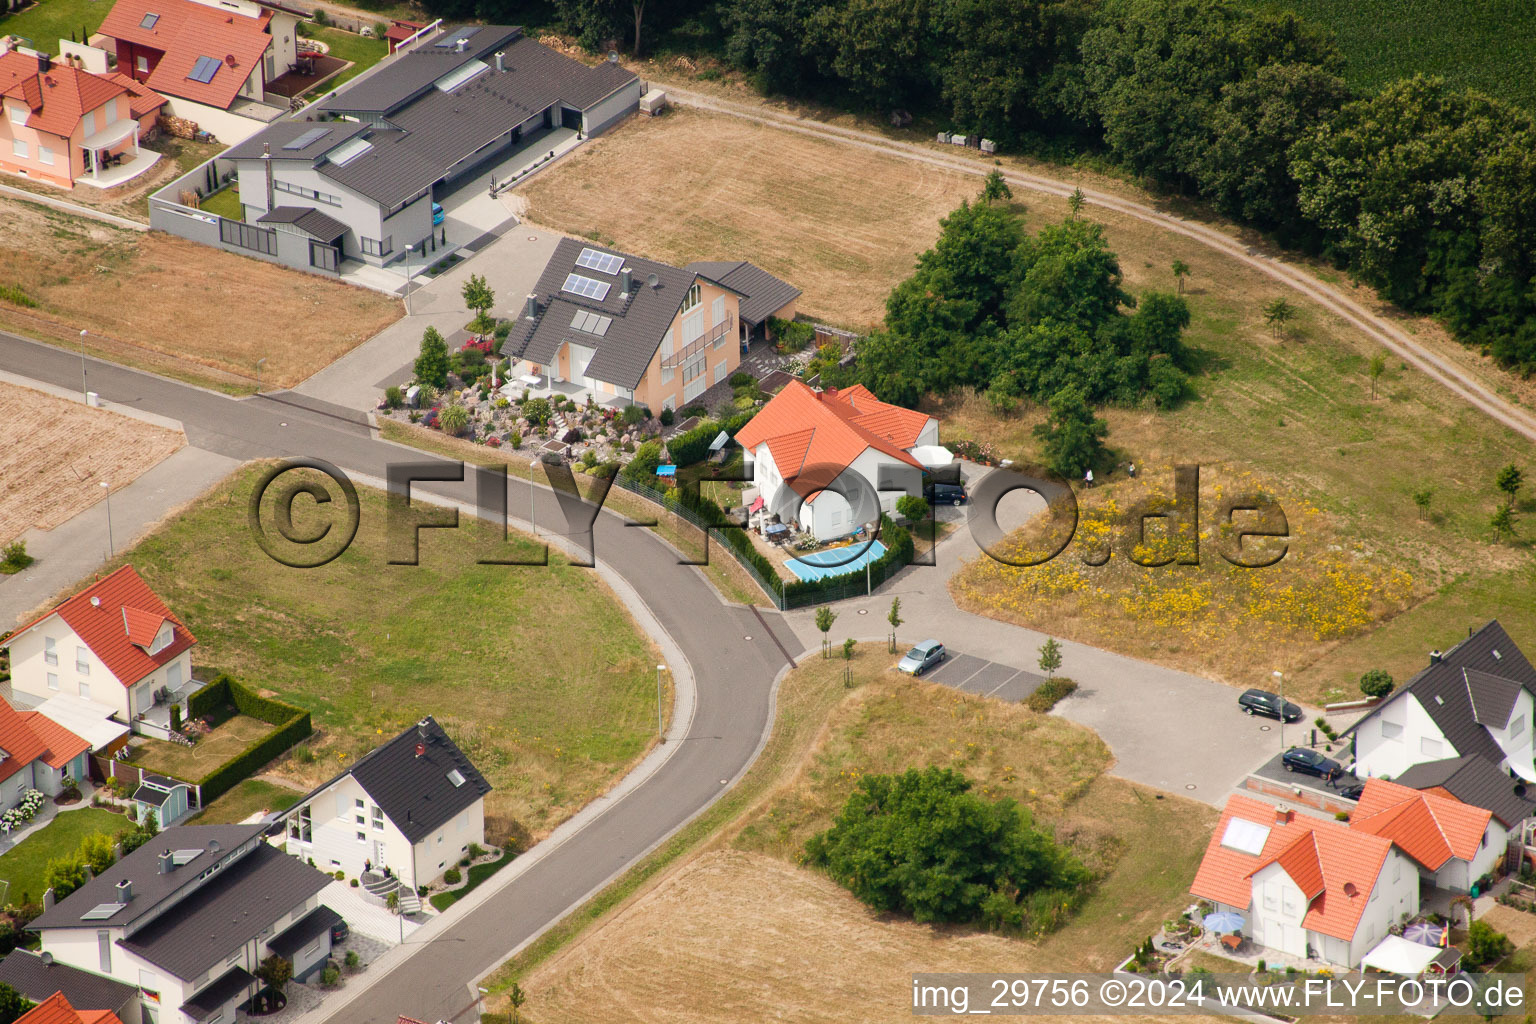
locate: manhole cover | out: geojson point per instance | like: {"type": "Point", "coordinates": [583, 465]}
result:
{"type": "Point", "coordinates": [746, 638]}
{"type": "Point", "coordinates": [1263, 728]}
{"type": "Point", "coordinates": [533, 238]}
{"type": "Point", "coordinates": [1189, 785]}
{"type": "Point", "coordinates": [863, 611]}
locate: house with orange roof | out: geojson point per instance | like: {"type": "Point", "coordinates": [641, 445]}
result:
{"type": "Point", "coordinates": [114, 644]}
{"type": "Point", "coordinates": [833, 460]}
{"type": "Point", "coordinates": [64, 125]}
{"type": "Point", "coordinates": [57, 1010]}
{"type": "Point", "coordinates": [38, 754]}
{"type": "Point", "coordinates": [1308, 887]}
{"type": "Point", "coordinates": [1453, 843]}
{"type": "Point", "coordinates": [212, 59]}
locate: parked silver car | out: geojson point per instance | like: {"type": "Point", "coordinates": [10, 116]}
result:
{"type": "Point", "coordinates": [921, 658]}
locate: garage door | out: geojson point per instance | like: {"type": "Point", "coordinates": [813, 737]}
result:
{"type": "Point", "coordinates": [581, 355]}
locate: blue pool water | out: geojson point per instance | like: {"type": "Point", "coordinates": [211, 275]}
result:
{"type": "Point", "coordinates": [835, 562]}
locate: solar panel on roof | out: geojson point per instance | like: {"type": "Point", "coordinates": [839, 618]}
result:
{"type": "Point", "coordinates": [180, 857]}
{"type": "Point", "coordinates": [591, 323]}
{"type": "Point", "coordinates": [102, 911]}
{"type": "Point", "coordinates": [456, 777]}
{"type": "Point", "coordinates": [1245, 836]}
{"type": "Point", "coordinates": [149, 20]}
{"type": "Point", "coordinates": [452, 38]}
{"type": "Point", "coordinates": [578, 285]}
{"type": "Point", "coordinates": [602, 262]}
{"type": "Point", "coordinates": [204, 70]}
{"type": "Point", "coordinates": [308, 139]}
{"type": "Point", "coordinates": [459, 75]}
{"type": "Point", "coordinates": [349, 151]}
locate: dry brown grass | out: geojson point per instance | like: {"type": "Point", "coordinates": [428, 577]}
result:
{"type": "Point", "coordinates": [739, 932]}
{"type": "Point", "coordinates": [192, 763]}
{"type": "Point", "coordinates": [54, 454]}
{"type": "Point", "coordinates": [176, 307]}
{"type": "Point", "coordinates": [840, 223]}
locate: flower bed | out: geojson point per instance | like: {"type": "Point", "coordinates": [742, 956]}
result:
{"type": "Point", "coordinates": [16, 817]}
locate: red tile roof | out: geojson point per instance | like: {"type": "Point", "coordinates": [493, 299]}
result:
{"type": "Point", "coordinates": [1429, 827]}
{"type": "Point", "coordinates": [183, 31]}
{"type": "Point", "coordinates": [21, 743]}
{"type": "Point", "coordinates": [56, 1010]}
{"type": "Point", "coordinates": [1309, 850]}
{"type": "Point", "coordinates": [141, 98]}
{"type": "Point", "coordinates": [814, 435]}
{"type": "Point", "coordinates": [59, 97]}
{"type": "Point", "coordinates": [103, 628]}
{"type": "Point", "coordinates": [63, 745]}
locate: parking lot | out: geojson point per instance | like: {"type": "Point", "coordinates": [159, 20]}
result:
{"type": "Point", "coordinates": [984, 678]}
{"type": "Point", "coordinates": [1274, 771]}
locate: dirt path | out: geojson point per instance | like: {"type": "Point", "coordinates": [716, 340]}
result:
{"type": "Point", "coordinates": [1391, 337]}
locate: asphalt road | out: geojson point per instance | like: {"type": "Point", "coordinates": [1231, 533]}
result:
{"type": "Point", "coordinates": [733, 674]}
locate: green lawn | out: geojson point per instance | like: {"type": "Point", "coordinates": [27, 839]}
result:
{"type": "Point", "coordinates": [537, 672]}
{"type": "Point", "coordinates": [47, 22]}
{"type": "Point", "coordinates": [192, 763]}
{"type": "Point", "coordinates": [1488, 45]}
{"type": "Point", "coordinates": [225, 203]}
{"type": "Point", "coordinates": [25, 866]}
{"type": "Point", "coordinates": [477, 874]}
{"type": "Point", "coordinates": [363, 53]}
{"type": "Point", "coordinates": [252, 796]}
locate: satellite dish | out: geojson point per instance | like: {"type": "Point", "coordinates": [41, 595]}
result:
{"type": "Point", "coordinates": [613, 56]}
{"type": "Point", "coordinates": [653, 281]}
{"type": "Point", "coordinates": [46, 958]}
{"type": "Point", "coordinates": [1350, 890]}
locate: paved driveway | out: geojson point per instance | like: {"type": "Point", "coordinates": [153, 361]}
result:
{"type": "Point", "coordinates": [984, 678]}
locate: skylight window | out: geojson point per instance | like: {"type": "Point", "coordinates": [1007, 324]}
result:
{"type": "Point", "coordinates": [456, 777]}
{"type": "Point", "coordinates": [308, 139]}
{"type": "Point", "coordinates": [602, 262]}
{"type": "Point", "coordinates": [204, 70]}
{"type": "Point", "coordinates": [148, 21]}
{"type": "Point", "coordinates": [585, 286]}
{"type": "Point", "coordinates": [459, 75]}
{"type": "Point", "coordinates": [102, 911]}
{"type": "Point", "coordinates": [1245, 837]}
{"type": "Point", "coordinates": [180, 857]}
{"type": "Point", "coordinates": [591, 323]}
{"type": "Point", "coordinates": [349, 151]}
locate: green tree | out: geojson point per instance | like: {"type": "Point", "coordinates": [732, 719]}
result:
{"type": "Point", "coordinates": [848, 646]}
{"type": "Point", "coordinates": [1376, 683]}
{"type": "Point", "coordinates": [432, 363]}
{"type": "Point", "coordinates": [1072, 438]}
{"type": "Point", "coordinates": [643, 465]}
{"type": "Point", "coordinates": [1050, 657]}
{"type": "Point", "coordinates": [12, 1004]}
{"type": "Point", "coordinates": [1277, 314]}
{"type": "Point", "coordinates": [1180, 272]}
{"type": "Point", "coordinates": [995, 187]}
{"type": "Point", "coordinates": [454, 420]}
{"type": "Point", "coordinates": [96, 851]}
{"type": "Point", "coordinates": [1421, 500]}
{"type": "Point", "coordinates": [894, 618]}
{"type": "Point", "coordinates": [64, 875]}
{"type": "Point", "coordinates": [1502, 521]}
{"type": "Point", "coordinates": [912, 508]}
{"type": "Point", "coordinates": [880, 50]}
{"type": "Point", "coordinates": [1509, 480]}
{"type": "Point", "coordinates": [479, 298]}
{"type": "Point", "coordinates": [276, 970]}
{"type": "Point", "coordinates": [825, 616]}
{"type": "Point", "coordinates": [920, 843]}
{"type": "Point", "coordinates": [1075, 203]}
{"type": "Point", "coordinates": [1486, 946]}
{"type": "Point", "coordinates": [537, 411]}
{"type": "Point", "coordinates": [516, 997]}
{"type": "Point", "coordinates": [1377, 367]}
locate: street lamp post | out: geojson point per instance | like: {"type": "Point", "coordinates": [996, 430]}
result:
{"type": "Point", "coordinates": [410, 275]}
{"type": "Point", "coordinates": [1280, 676]}
{"type": "Point", "coordinates": [258, 373]}
{"type": "Point", "coordinates": [84, 394]}
{"type": "Point", "coordinates": [111, 548]}
{"type": "Point", "coordinates": [659, 732]}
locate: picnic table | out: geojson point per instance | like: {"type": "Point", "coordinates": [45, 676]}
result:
{"type": "Point", "coordinates": [1232, 942]}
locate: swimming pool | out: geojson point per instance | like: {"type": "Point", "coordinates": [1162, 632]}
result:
{"type": "Point", "coordinates": [835, 561]}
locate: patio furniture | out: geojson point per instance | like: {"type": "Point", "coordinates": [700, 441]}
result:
{"type": "Point", "coordinates": [1232, 942]}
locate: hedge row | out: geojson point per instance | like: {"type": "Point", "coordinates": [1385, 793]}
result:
{"type": "Point", "coordinates": [293, 724]}
{"type": "Point", "coordinates": [693, 445]}
{"type": "Point", "coordinates": [899, 551]}
{"type": "Point", "coordinates": [707, 510]}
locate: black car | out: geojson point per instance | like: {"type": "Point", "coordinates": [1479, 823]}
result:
{"type": "Point", "coordinates": [339, 933]}
{"type": "Point", "coordinates": [1352, 792]}
{"type": "Point", "coordinates": [1262, 702]}
{"type": "Point", "coordinates": [1310, 762]}
{"type": "Point", "coordinates": [946, 494]}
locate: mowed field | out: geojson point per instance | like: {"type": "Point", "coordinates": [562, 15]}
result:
{"type": "Point", "coordinates": [841, 223]}
{"type": "Point", "coordinates": [741, 932]}
{"type": "Point", "coordinates": [55, 454]}
{"type": "Point", "coordinates": [169, 305]}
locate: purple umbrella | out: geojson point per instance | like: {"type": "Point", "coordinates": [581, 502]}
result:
{"type": "Point", "coordinates": [1424, 933]}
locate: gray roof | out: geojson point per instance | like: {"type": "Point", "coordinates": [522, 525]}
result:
{"type": "Point", "coordinates": [26, 972]}
{"type": "Point", "coordinates": [313, 925]}
{"type": "Point", "coordinates": [762, 294]}
{"type": "Point", "coordinates": [280, 133]}
{"type": "Point", "coordinates": [142, 868]}
{"type": "Point", "coordinates": [1442, 689]}
{"type": "Point", "coordinates": [415, 791]}
{"type": "Point", "coordinates": [1493, 699]}
{"type": "Point", "coordinates": [232, 908]}
{"type": "Point", "coordinates": [1476, 781]}
{"type": "Point", "coordinates": [212, 999]}
{"type": "Point", "coordinates": [310, 221]}
{"type": "Point", "coordinates": [411, 73]}
{"type": "Point", "coordinates": [639, 321]}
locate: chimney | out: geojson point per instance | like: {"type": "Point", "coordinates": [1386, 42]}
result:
{"type": "Point", "coordinates": [124, 891]}
{"type": "Point", "coordinates": [531, 307]}
{"type": "Point", "coordinates": [1283, 815]}
{"type": "Point", "coordinates": [1435, 657]}
{"type": "Point", "coordinates": [460, 46]}
{"type": "Point", "coordinates": [48, 899]}
{"type": "Point", "coordinates": [499, 55]}
{"type": "Point", "coordinates": [117, 852]}
{"type": "Point", "coordinates": [44, 63]}
{"type": "Point", "coordinates": [626, 281]}
{"type": "Point", "coordinates": [167, 863]}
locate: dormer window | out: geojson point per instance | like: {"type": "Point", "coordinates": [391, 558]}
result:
{"type": "Point", "coordinates": [693, 298]}
{"type": "Point", "coordinates": [162, 639]}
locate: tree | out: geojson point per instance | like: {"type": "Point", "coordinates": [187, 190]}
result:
{"type": "Point", "coordinates": [1502, 521]}
{"type": "Point", "coordinates": [921, 843]}
{"type": "Point", "coordinates": [1509, 480]}
{"type": "Point", "coordinates": [894, 618]}
{"type": "Point", "coordinates": [825, 616]}
{"type": "Point", "coordinates": [996, 188]}
{"type": "Point", "coordinates": [96, 851]}
{"type": "Point", "coordinates": [479, 298]}
{"type": "Point", "coordinates": [848, 646]}
{"type": "Point", "coordinates": [912, 507]}
{"type": "Point", "coordinates": [1421, 499]}
{"type": "Point", "coordinates": [1377, 368]}
{"type": "Point", "coordinates": [1180, 272]}
{"type": "Point", "coordinates": [454, 420]}
{"type": "Point", "coordinates": [516, 997]}
{"type": "Point", "coordinates": [1277, 314]}
{"type": "Point", "coordinates": [12, 1004]}
{"type": "Point", "coordinates": [1075, 202]}
{"type": "Point", "coordinates": [1050, 657]}
{"type": "Point", "coordinates": [432, 363]}
{"type": "Point", "coordinates": [64, 875]}
{"type": "Point", "coordinates": [1486, 946]}
{"type": "Point", "coordinates": [537, 411]}
{"type": "Point", "coordinates": [1072, 438]}
{"type": "Point", "coordinates": [276, 970]}
{"type": "Point", "coordinates": [1376, 683]}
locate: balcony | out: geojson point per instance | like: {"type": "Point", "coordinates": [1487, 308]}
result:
{"type": "Point", "coordinates": [702, 342]}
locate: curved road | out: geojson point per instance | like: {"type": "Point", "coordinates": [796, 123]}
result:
{"type": "Point", "coordinates": [1380, 329]}
{"type": "Point", "coordinates": [734, 652]}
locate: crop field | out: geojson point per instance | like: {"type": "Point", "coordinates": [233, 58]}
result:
{"type": "Point", "coordinates": [1487, 45]}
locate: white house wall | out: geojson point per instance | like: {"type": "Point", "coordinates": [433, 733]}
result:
{"type": "Point", "coordinates": [1458, 875]}
{"type": "Point", "coordinates": [442, 849]}
{"type": "Point", "coordinates": [334, 845]}
{"type": "Point", "coordinates": [1279, 907]}
{"type": "Point", "coordinates": [228, 128]}
{"type": "Point", "coordinates": [1515, 737]}
{"type": "Point", "coordinates": [1380, 755]}
{"type": "Point", "coordinates": [29, 671]}
{"type": "Point", "coordinates": [608, 112]}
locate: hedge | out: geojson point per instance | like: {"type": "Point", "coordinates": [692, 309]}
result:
{"type": "Point", "coordinates": [293, 724]}
{"type": "Point", "coordinates": [898, 550]}
{"type": "Point", "coordinates": [1048, 693]}
{"type": "Point", "coordinates": [693, 446]}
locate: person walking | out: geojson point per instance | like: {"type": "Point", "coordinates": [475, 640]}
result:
{"type": "Point", "coordinates": [1088, 479]}
{"type": "Point", "coordinates": [1133, 471]}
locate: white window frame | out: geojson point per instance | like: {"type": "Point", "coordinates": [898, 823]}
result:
{"type": "Point", "coordinates": [667, 372]}
{"type": "Point", "coordinates": [717, 311]}
{"type": "Point", "coordinates": [693, 298]}
{"type": "Point", "coordinates": [142, 63]}
{"type": "Point", "coordinates": [83, 660]}
{"type": "Point", "coordinates": [19, 149]}
{"type": "Point", "coordinates": [44, 155]}
{"type": "Point", "coordinates": [50, 650]}
{"type": "Point", "coordinates": [53, 680]}
{"type": "Point", "coordinates": [18, 113]}
{"type": "Point", "coordinates": [85, 689]}
{"type": "Point", "coordinates": [1430, 747]}
{"type": "Point", "coordinates": [88, 123]}
{"type": "Point", "coordinates": [1391, 730]}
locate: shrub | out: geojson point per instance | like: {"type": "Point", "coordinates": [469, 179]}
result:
{"type": "Point", "coordinates": [515, 440]}
{"type": "Point", "coordinates": [667, 417]}
{"type": "Point", "coordinates": [452, 876]}
{"type": "Point", "coordinates": [912, 507]}
{"type": "Point", "coordinates": [341, 876]}
{"type": "Point", "coordinates": [14, 558]}
{"type": "Point", "coordinates": [293, 724]}
{"type": "Point", "coordinates": [476, 851]}
{"type": "Point", "coordinates": [741, 379]}
{"type": "Point", "coordinates": [1049, 693]}
{"type": "Point", "coordinates": [454, 420]}
{"type": "Point", "coordinates": [1486, 946]}
{"type": "Point", "coordinates": [64, 875]}
{"type": "Point", "coordinates": [538, 411]}
{"type": "Point", "coordinates": [432, 362]}
{"type": "Point", "coordinates": [790, 336]}
{"type": "Point", "coordinates": [394, 398]}
{"type": "Point", "coordinates": [352, 960]}
{"type": "Point", "coordinates": [392, 901]}
{"type": "Point", "coordinates": [921, 843]}
{"type": "Point", "coordinates": [330, 976]}
{"type": "Point", "coordinates": [354, 883]}
{"type": "Point", "coordinates": [175, 718]}
{"type": "Point", "coordinates": [1376, 683]}
{"type": "Point", "coordinates": [632, 415]}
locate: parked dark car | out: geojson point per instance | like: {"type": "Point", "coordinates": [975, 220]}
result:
{"type": "Point", "coordinates": [339, 933]}
{"type": "Point", "coordinates": [1352, 792]}
{"type": "Point", "coordinates": [1310, 762]}
{"type": "Point", "coordinates": [1262, 702]}
{"type": "Point", "coordinates": [946, 494]}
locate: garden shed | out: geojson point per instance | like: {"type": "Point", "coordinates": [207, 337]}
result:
{"type": "Point", "coordinates": [166, 798]}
